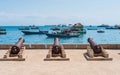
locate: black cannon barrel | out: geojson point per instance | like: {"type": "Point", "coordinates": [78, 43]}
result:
{"type": "Point", "coordinates": [16, 48]}
{"type": "Point", "coordinates": [96, 48]}
{"type": "Point", "coordinates": [56, 49]}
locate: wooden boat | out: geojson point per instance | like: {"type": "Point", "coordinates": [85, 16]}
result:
{"type": "Point", "coordinates": [111, 27]}
{"type": "Point", "coordinates": [33, 27]}
{"type": "Point", "coordinates": [2, 32]}
{"type": "Point", "coordinates": [100, 31]}
{"type": "Point", "coordinates": [74, 30]}
{"type": "Point", "coordinates": [55, 28]}
{"type": "Point", "coordinates": [35, 32]}
{"type": "Point", "coordinates": [103, 25]}
{"type": "Point", "coordinates": [78, 30]}
{"type": "Point", "coordinates": [62, 35]}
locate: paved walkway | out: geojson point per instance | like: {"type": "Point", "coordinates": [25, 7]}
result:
{"type": "Point", "coordinates": [78, 65]}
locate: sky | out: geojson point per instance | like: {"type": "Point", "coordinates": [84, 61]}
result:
{"type": "Point", "coordinates": [47, 12]}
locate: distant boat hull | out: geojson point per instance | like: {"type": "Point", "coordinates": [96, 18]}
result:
{"type": "Point", "coordinates": [111, 28]}
{"type": "Point", "coordinates": [34, 27]}
{"type": "Point", "coordinates": [2, 32]}
{"type": "Point", "coordinates": [31, 32]}
{"type": "Point", "coordinates": [55, 28]}
{"type": "Point", "coordinates": [100, 31]}
{"type": "Point", "coordinates": [61, 35]}
{"type": "Point", "coordinates": [103, 25]}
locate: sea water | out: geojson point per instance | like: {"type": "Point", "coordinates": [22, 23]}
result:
{"type": "Point", "coordinates": [110, 36]}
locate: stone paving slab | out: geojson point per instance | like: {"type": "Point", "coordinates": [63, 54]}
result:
{"type": "Point", "coordinates": [78, 65]}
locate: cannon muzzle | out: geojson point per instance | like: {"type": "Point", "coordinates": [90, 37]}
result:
{"type": "Point", "coordinates": [56, 42]}
{"type": "Point", "coordinates": [15, 49]}
{"type": "Point", "coordinates": [56, 49]}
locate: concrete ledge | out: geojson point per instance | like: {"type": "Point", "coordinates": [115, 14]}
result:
{"type": "Point", "coordinates": [5, 46]}
{"type": "Point", "coordinates": [27, 46]}
{"type": "Point", "coordinates": [38, 46]}
{"type": "Point", "coordinates": [110, 46]}
{"type": "Point", "coordinates": [66, 46]}
{"type": "Point", "coordinates": [48, 46]}
{"type": "Point", "coordinates": [82, 46]}
{"type": "Point", "coordinates": [70, 46]}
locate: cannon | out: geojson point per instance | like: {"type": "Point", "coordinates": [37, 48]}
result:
{"type": "Point", "coordinates": [56, 48]}
{"type": "Point", "coordinates": [15, 52]}
{"type": "Point", "coordinates": [96, 48]}
{"type": "Point", "coordinates": [56, 52]}
{"type": "Point", "coordinates": [15, 49]}
{"type": "Point", "coordinates": [96, 52]}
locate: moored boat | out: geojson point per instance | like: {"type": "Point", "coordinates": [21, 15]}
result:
{"type": "Point", "coordinates": [62, 34]}
{"type": "Point", "coordinates": [111, 27]}
{"type": "Point", "coordinates": [100, 31]}
{"type": "Point", "coordinates": [55, 28]}
{"type": "Point", "coordinates": [35, 32]}
{"type": "Point", "coordinates": [2, 32]}
{"type": "Point", "coordinates": [103, 25]}
{"type": "Point", "coordinates": [75, 30]}
{"type": "Point", "coordinates": [33, 27]}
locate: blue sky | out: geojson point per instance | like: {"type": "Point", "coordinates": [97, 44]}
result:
{"type": "Point", "coordinates": [41, 12]}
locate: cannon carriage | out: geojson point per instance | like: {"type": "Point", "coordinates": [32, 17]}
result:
{"type": "Point", "coordinates": [56, 52]}
{"type": "Point", "coordinates": [96, 52]}
{"type": "Point", "coordinates": [15, 52]}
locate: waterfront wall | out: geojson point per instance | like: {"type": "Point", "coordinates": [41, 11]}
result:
{"type": "Point", "coordinates": [66, 46]}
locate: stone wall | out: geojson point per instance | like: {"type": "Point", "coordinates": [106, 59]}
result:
{"type": "Point", "coordinates": [66, 46]}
